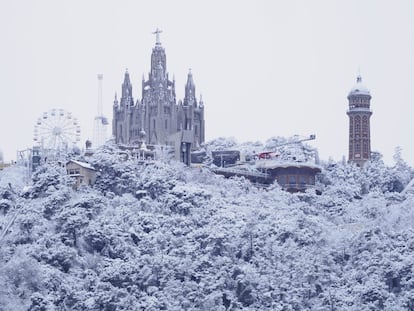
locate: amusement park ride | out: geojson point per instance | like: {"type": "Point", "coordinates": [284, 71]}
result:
{"type": "Point", "coordinates": [56, 133]}
{"type": "Point", "coordinates": [274, 153]}
{"type": "Point", "coordinates": [56, 130]}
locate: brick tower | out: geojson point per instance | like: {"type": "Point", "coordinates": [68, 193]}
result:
{"type": "Point", "coordinates": [359, 125]}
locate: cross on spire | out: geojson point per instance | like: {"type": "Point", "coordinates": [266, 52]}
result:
{"type": "Point", "coordinates": [157, 36]}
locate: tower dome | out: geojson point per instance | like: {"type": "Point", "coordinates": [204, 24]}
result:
{"type": "Point", "coordinates": [359, 88]}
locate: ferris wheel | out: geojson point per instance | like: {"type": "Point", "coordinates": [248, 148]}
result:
{"type": "Point", "coordinates": [56, 129]}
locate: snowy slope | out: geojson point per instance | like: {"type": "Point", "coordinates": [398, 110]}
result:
{"type": "Point", "coordinates": [165, 237]}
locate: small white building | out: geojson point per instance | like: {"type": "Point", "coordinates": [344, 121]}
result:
{"type": "Point", "coordinates": [83, 173]}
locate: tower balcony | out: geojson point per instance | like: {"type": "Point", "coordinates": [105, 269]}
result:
{"type": "Point", "coordinates": [359, 109]}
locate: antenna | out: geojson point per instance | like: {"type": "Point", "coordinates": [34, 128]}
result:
{"type": "Point", "coordinates": [101, 122]}
{"type": "Point", "coordinates": [100, 108]}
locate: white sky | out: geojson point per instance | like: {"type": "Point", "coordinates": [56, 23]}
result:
{"type": "Point", "coordinates": [264, 68]}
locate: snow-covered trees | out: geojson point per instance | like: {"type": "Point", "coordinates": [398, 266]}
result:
{"type": "Point", "coordinates": [166, 237]}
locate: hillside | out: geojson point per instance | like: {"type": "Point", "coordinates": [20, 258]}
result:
{"type": "Point", "coordinates": [165, 237]}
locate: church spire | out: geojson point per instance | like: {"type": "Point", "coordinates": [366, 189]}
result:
{"type": "Point", "coordinates": [190, 82]}
{"type": "Point", "coordinates": [189, 98]}
{"type": "Point", "coordinates": [126, 77]}
{"type": "Point", "coordinates": [158, 60]}
{"type": "Point", "coordinates": [126, 88]}
{"type": "Point", "coordinates": [116, 100]}
{"type": "Point", "coordinates": [201, 101]}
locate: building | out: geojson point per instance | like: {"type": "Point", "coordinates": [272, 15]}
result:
{"type": "Point", "coordinates": [4, 165]}
{"type": "Point", "coordinates": [157, 118]}
{"type": "Point", "coordinates": [223, 158]}
{"type": "Point", "coordinates": [359, 113]}
{"type": "Point", "coordinates": [295, 177]}
{"type": "Point", "coordinates": [83, 173]}
{"type": "Point", "coordinates": [291, 176]}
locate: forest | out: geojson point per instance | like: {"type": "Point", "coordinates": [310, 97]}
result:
{"type": "Point", "coordinates": [162, 236]}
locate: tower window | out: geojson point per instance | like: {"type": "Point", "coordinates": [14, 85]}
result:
{"type": "Point", "coordinates": [166, 124]}
{"type": "Point", "coordinates": [357, 125]}
{"type": "Point", "coordinates": [357, 147]}
{"type": "Point", "coordinates": [365, 147]}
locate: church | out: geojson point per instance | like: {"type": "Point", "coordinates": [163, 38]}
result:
{"type": "Point", "coordinates": [157, 118]}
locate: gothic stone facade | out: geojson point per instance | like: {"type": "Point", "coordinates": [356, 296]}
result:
{"type": "Point", "coordinates": [157, 119]}
{"type": "Point", "coordinates": [359, 124]}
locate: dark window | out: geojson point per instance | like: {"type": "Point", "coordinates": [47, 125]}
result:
{"type": "Point", "coordinates": [302, 180]}
{"type": "Point", "coordinates": [357, 125]}
{"type": "Point", "coordinates": [292, 179]}
{"type": "Point", "coordinates": [358, 147]}
{"type": "Point", "coordinates": [74, 171]}
{"type": "Point", "coordinates": [365, 147]}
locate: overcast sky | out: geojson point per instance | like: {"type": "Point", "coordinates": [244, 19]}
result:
{"type": "Point", "coordinates": [264, 68]}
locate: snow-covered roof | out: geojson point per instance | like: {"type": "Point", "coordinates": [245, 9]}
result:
{"type": "Point", "coordinates": [359, 88]}
{"type": "Point", "coordinates": [272, 164]}
{"type": "Point", "coordinates": [82, 164]}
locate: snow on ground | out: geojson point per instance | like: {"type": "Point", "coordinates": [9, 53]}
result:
{"type": "Point", "coordinates": [162, 236]}
{"type": "Point", "coordinates": [16, 176]}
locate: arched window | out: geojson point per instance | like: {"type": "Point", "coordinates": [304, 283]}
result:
{"type": "Point", "coordinates": [357, 124]}
{"type": "Point", "coordinates": [358, 147]}
{"type": "Point", "coordinates": [365, 147]}
{"type": "Point", "coordinates": [365, 125]}
{"type": "Point", "coordinates": [351, 126]}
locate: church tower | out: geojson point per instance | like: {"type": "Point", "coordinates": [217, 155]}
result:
{"type": "Point", "coordinates": [158, 96]}
{"type": "Point", "coordinates": [193, 112]}
{"type": "Point", "coordinates": [359, 124]}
